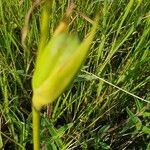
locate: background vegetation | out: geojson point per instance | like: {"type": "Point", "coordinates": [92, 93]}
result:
{"type": "Point", "coordinates": [92, 113]}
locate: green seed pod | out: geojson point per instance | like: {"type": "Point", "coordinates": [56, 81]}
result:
{"type": "Point", "coordinates": [57, 65]}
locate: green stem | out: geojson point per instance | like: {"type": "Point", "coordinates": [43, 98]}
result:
{"type": "Point", "coordinates": [44, 24]}
{"type": "Point", "coordinates": [36, 128]}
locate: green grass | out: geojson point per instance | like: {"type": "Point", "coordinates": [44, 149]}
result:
{"type": "Point", "coordinates": [108, 104]}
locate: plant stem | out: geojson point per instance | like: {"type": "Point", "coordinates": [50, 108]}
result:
{"type": "Point", "coordinates": [36, 127]}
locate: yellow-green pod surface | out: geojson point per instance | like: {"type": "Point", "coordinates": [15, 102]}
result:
{"type": "Point", "coordinates": [56, 67]}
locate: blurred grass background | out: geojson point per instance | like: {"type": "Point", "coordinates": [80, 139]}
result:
{"type": "Point", "coordinates": [91, 114]}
